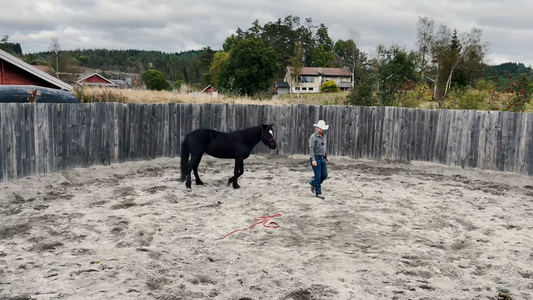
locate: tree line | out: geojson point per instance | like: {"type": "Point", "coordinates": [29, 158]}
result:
{"type": "Point", "coordinates": [252, 59]}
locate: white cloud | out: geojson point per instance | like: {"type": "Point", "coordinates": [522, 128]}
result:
{"type": "Point", "coordinates": [173, 26]}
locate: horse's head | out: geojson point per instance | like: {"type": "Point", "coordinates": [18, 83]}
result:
{"type": "Point", "coordinates": [267, 136]}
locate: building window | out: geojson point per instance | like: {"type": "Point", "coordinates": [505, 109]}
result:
{"type": "Point", "coordinates": [304, 89]}
{"type": "Point", "coordinates": [297, 88]}
{"type": "Point", "coordinates": [307, 79]}
{"type": "Point", "coordinates": [310, 88]}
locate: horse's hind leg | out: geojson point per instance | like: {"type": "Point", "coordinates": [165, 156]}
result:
{"type": "Point", "coordinates": [189, 169]}
{"type": "Point", "coordinates": [195, 164]}
{"type": "Point", "coordinates": [193, 167]}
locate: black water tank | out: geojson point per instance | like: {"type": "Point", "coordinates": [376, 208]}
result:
{"type": "Point", "coordinates": [36, 94]}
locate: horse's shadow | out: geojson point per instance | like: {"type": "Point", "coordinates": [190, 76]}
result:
{"type": "Point", "coordinates": [225, 145]}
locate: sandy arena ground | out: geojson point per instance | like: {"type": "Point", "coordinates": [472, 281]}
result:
{"type": "Point", "coordinates": [133, 231]}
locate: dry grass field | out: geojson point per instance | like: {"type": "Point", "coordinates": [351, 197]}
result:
{"type": "Point", "coordinates": [148, 96]}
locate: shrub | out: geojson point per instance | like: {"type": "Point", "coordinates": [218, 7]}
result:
{"type": "Point", "coordinates": [329, 87]}
{"type": "Point", "coordinates": [467, 98]}
{"type": "Point", "coordinates": [516, 96]}
{"type": "Point", "coordinates": [412, 99]}
{"type": "Point", "coordinates": [519, 94]}
{"type": "Point", "coordinates": [155, 80]}
{"type": "Point", "coordinates": [361, 94]}
{"type": "Point", "coordinates": [178, 84]}
{"type": "Point", "coordinates": [230, 89]}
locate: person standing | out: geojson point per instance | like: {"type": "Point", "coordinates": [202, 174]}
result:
{"type": "Point", "coordinates": [318, 157]}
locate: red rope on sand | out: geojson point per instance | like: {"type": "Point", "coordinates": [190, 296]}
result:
{"type": "Point", "coordinates": [262, 220]}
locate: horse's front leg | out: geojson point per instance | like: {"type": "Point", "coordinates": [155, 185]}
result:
{"type": "Point", "coordinates": [238, 171]}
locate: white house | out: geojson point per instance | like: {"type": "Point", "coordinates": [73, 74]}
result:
{"type": "Point", "coordinates": [310, 79]}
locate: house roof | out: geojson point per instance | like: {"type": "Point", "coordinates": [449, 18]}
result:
{"type": "Point", "coordinates": [97, 84]}
{"type": "Point", "coordinates": [207, 87]}
{"type": "Point", "coordinates": [120, 82]}
{"type": "Point", "coordinates": [34, 71]}
{"type": "Point", "coordinates": [428, 79]}
{"type": "Point", "coordinates": [324, 71]}
{"type": "Point", "coordinates": [110, 83]}
{"type": "Point", "coordinates": [282, 84]}
{"type": "Point", "coordinates": [45, 69]}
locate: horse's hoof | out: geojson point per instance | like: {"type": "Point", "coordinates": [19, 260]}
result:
{"type": "Point", "coordinates": [199, 183]}
{"type": "Point", "coordinates": [188, 185]}
{"type": "Point", "coordinates": [236, 186]}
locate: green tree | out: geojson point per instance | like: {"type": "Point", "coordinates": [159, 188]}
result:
{"type": "Point", "coordinates": [12, 48]}
{"type": "Point", "coordinates": [297, 63]}
{"type": "Point", "coordinates": [362, 94]}
{"type": "Point", "coordinates": [425, 31]}
{"type": "Point", "coordinates": [206, 59]}
{"type": "Point", "coordinates": [397, 68]}
{"type": "Point", "coordinates": [178, 84]}
{"type": "Point", "coordinates": [282, 36]}
{"type": "Point", "coordinates": [155, 80]}
{"type": "Point", "coordinates": [322, 38]}
{"type": "Point", "coordinates": [321, 57]}
{"type": "Point", "coordinates": [233, 40]}
{"type": "Point", "coordinates": [439, 50]}
{"type": "Point", "coordinates": [251, 65]}
{"type": "Point", "coordinates": [212, 77]}
{"type": "Point", "coordinates": [468, 47]}
{"type": "Point", "coordinates": [348, 55]}
{"type": "Point", "coordinates": [55, 47]}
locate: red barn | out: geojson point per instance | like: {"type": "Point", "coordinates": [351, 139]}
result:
{"type": "Point", "coordinates": [210, 90]}
{"type": "Point", "coordinates": [14, 71]}
{"type": "Point", "coordinates": [96, 79]}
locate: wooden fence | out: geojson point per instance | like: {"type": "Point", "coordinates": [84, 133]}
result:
{"type": "Point", "coordinates": [45, 138]}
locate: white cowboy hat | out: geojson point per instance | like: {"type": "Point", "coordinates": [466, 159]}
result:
{"type": "Point", "coordinates": [322, 125]}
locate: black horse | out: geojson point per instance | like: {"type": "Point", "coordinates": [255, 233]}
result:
{"type": "Point", "coordinates": [236, 144]}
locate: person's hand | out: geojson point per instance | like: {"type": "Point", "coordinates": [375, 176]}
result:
{"type": "Point", "coordinates": [327, 160]}
{"type": "Point", "coordinates": [314, 163]}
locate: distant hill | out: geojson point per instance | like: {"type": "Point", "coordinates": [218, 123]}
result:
{"type": "Point", "coordinates": [505, 69]}
{"type": "Point", "coordinates": [13, 48]}
{"type": "Point", "coordinates": [186, 66]}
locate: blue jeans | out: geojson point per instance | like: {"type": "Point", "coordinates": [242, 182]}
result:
{"type": "Point", "coordinates": [321, 173]}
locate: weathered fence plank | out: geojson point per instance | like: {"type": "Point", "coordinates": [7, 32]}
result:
{"type": "Point", "coordinates": [10, 146]}
{"type": "Point", "coordinates": [529, 138]}
{"type": "Point", "coordinates": [45, 138]}
{"type": "Point", "coordinates": [4, 143]}
{"type": "Point", "coordinates": [521, 143]}
{"type": "Point", "coordinates": [501, 135]}
{"type": "Point", "coordinates": [27, 140]}
{"type": "Point", "coordinates": [386, 132]}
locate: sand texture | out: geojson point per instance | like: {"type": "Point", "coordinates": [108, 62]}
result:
{"type": "Point", "coordinates": [133, 231]}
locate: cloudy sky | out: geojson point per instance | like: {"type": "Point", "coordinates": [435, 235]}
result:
{"type": "Point", "coordinates": [174, 26]}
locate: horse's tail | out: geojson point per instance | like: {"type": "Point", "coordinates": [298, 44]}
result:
{"type": "Point", "coordinates": [184, 158]}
